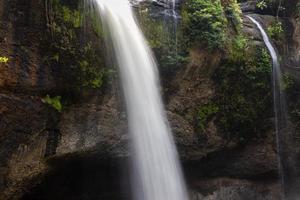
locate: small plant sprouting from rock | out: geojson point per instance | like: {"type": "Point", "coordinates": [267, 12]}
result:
{"type": "Point", "coordinates": [262, 4]}
{"type": "Point", "coordinates": [275, 30]}
{"type": "Point", "coordinates": [55, 102]}
{"type": "Point", "coordinates": [4, 59]}
{"type": "Point", "coordinates": [205, 113]}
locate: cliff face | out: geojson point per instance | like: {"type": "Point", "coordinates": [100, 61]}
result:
{"type": "Point", "coordinates": [39, 145]}
{"type": "Point", "coordinates": [23, 116]}
{"type": "Point", "coordinates": [289, 15]}
{"type": "Point", "coordinates": [21, 37]}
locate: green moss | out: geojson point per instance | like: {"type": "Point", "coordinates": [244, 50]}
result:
{"type": "Point", "coordinates": [205, 113]}
{"type": "Point", "coordinates": [79, 61]}
{"type": "Point", "coordinates": [91, 73]}
{"type": "Point", "coordinates": [97, 27]}
{"type": "Point", "coordinates": [288, 81]}
{"type": "Point", "coordinates": [73, 17]}
{"type": "Point", "coordinates": [153, 29]}
{"type": "Point", "coordinates": [55, 102]}
{"type": "Point", "coordinates": [237, 48]}
{"type": "Point", "coordinates": [244, 94]}
{"type": "Point", "coordinates": [165, 38]}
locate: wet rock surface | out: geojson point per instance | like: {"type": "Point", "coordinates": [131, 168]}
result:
{"type": "Point", "coordinates": [80, 156]}
{"type": "Point", "coordinates": [249, 6]}
{"type": "Point", "coordinates": [23, 138]}
{"type": "Point", "coordinates": [20, 40]}
{"type": "Point", "coordinates": [240, 190]}
{"type": "Point", "coordinates": [96, 127]}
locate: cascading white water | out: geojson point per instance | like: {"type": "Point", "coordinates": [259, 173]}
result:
{"type": "Point", "coordinates": [276, 65]}
{"type": "Point", "coordinates": [168, 3]}
{"type": "Point", "coordinates": [157, 171]}
{"type": "Point", "coordinates": [280, 110]}
{"type": "Point", "coordinates": [285, 132]}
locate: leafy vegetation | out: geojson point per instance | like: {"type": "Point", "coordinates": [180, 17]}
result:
{"type": "Point", "coordinates": [205, 113]}
{"type": "Point", "coordinates": [166, 39]}
{"type": "Point", "coordinates": [73, 17]}
{"type": "Point", "coordinates": [237, 48]}
{"type": "Point", "coordinates": [244, 94]}
{"type": "Point", "coordinates": [79, 62]}
{"type": "Point", "coordinates": [262, 4]}
{"type": "Point", "coordinates": [233, 14]}
{"type": "Point", "coordinates": [242, 106]}
{"type": "Point", "coordinates": [288, 82]}
{"type": "Point", "coordinates": [210, 23]}
{"type": "Point", "coordinates": [205, 23]}
{"type": "Point", "coordinates": [55, 102]}
{"type": "Point", "coordinates": [275, 30]}
{"type": "Point", "coordinates": [4, 59]}
{"type": "Point", "coordinates": [274, 7]}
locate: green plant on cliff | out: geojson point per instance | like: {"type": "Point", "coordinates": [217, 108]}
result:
{"type": "Point", "coordinates": [205, 113]}
{"type": "Point", "coordinates": [73, 17]}
{"type": "Point", "coordinates": [288, 82]}
{"type": "Point", "coordinates": [244, 94]}
{"type": "Point", "coordinates": [275, 30]}
{"type": "Point", "coordinates": [91, 76]}
{"type": "Point", "coordinates": [205, 23]}
{"type": "Point", "coordinates": [233, 14]}
{"type": "Point", "coordinates": [77, 61]}
{"type": "Point", "coordinates": [55, 102]}
{"type": "Point", "coordinates": [262, 4]}
{"type": "Point", "coordinates": [154, 29]}
{"type": "Point", "coordinates": [274, 6]}
{"type": "Point", "coordinates": [237, 48]}
{"type": "Point", "coordinates": [4, 59]}
{"type": "Point", "coordinates": [165, 38]}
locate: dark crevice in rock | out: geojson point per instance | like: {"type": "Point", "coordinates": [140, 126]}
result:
{"type": "Point", "coordinates": [54, 135]}
{"type": "Point", "coordinates": [249, 162]}
{"type": "Point", "coordinates": [83, 178]}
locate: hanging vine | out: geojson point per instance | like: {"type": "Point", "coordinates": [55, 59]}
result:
{"type": "Point", "coordinates": [49, 15]}
{"type": "Point", "coordinates": [279, 8]}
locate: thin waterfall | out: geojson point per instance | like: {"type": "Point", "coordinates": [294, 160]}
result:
{"type": "Point", "coordinates": [283, 128]}
{"type": "Point", "coordinates": [171, 4]}
{"type": "Point", "coordinates": [156, 168]}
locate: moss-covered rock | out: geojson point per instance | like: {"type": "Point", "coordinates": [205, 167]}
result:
{"type": "Point", "coordinates": [244, 94]}
{"type": "Point", "coordinates": [205, 23]}
{"type": "Point", "coordinates": [65, 22]}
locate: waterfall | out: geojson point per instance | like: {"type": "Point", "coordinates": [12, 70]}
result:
{"type": "Point", "coordinates": [171, 4]}
{"type": "Point", "coordinates": [283, 127]}
{"type": "Point", "coordinates": [156, 168]}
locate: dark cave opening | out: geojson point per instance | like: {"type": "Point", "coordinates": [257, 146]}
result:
{"type": "Point", "coordinates": [83, 179]}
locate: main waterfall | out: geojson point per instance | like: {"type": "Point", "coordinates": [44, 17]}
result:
{"type": "Point", "coordinates": [156, 168]}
